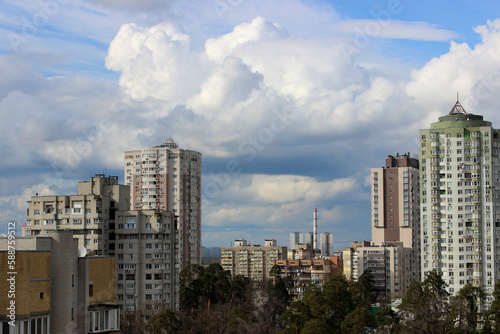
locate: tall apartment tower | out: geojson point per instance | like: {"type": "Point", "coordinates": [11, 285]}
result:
{"type": "Point", "coordinates": [326, 241]}
{"type": "Point", "coordinates": [460, 200]}
{"type": "Point", "coordinates": [294, 239]}
{"type": "Point", "coordinates": [168, 178]}
{"type": "Point", "coordinates": [395, 201]}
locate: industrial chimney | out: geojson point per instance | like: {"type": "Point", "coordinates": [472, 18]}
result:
{"type": "Point", "coordinates": [315, 229]}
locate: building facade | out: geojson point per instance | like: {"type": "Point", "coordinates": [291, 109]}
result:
{"type": "Point", "coordinates": [395, 205]}
{"type": "Point", "coordinates": [460, 200]}
{"type": "Point", "coordinates": [146, 266]}
{"type": "Point", "coordinates": [294, 239]}
{"type": "Point", "coordinates": [252, 261]}
{"type": "Point", "coordinates": [145, 243]}
{"type": "Point", "coordinates": [90, 214]}
{"type": "Point", "coordinates": [304, 272]}
{"type": "Point", "coordinates": [168, 178]}
{"type": "Point", "coordinates": [326, 242]}
{"type": "Point", "coordinates": [56, 290]}
{"type": "Point", "coordinates": [387, 265]}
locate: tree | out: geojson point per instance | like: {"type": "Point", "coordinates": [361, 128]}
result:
{"type": "Point", "coordinates": [278, 297]}
{"type": "Point", "coordinates": [315, 326]}
{"type": "Point", "coordinates": [359, 321]}
{"type": "Point", "coordinates": [464, 308]}
{"type": "Point", "coordinates": [387, 321]}
{"type": "Point", "coordinates": [425, 308]}
{"type": "Point", "coordinates": [164, 322]}
{"type": "Point", "coordinates": [363, 292]}
{"type": "Point", "coordinates": [206, 286]}
{"type": "Point", "coordinates": [296, 316]}
{"type": "Point", "coordinates": [339, 300]}
{"type": "Point", "coordinates": [492, 316]}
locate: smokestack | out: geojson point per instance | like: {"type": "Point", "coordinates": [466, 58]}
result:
{"type": "Point", "coordinates": [315, 229]}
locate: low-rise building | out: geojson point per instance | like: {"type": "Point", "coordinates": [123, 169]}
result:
{"type": "Point", "coordinates": [305, 272]}
{"type": "Point", "coordinates": [49, 288]}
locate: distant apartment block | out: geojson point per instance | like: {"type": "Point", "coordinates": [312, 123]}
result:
{"type": "Point", "coordinates": [326, 243]}
{"type": "Point", "coordinates": [252, 261]}
{"type": "Point", "coordinates": [295, 239]}
{"type": "Point", "coordinates": [168, 178]}
{"type": "Point", "coordinates": [56, 291]}
{"type": "Point", "coordinates": [305, 272]}
{"type": "Point", "coordinates": [301, 252]}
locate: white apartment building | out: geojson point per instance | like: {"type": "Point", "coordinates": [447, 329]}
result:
{"type": "Point", "coordinates": [168, 178]}
{"type": "Point", "coordinates": [326, 242]}
{"type": "Point", "coordinates": [460, 200]}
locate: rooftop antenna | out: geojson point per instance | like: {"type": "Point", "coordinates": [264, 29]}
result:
{"type": "Point", "coordinates": [457, 108]}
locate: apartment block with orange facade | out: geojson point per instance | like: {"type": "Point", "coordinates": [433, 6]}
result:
{"type": "Point", "coordinates": [313, 271]}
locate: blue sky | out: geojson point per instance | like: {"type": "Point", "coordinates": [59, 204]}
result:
{"type": "Point", "coordinates": [305, 96]}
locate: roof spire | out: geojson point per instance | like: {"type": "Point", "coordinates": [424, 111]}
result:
{"type": "Point", "coordinates": [457, 108]}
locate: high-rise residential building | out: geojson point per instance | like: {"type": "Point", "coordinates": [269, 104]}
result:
{"type": "Point", "coordinates": [396, 209]}
{"type": "Point", "coordinates": [252, 261]}
{"type": "Point", "coordinates": [460, 200]}
{"type": "Point", "coordinates": [395, 201]}
{"type": "Point", "coordinates": [307, 238]}
{"type": "Point", "coordinates": [326, 242]}
{"type": "Point", "coordinates": [90, 214]}
{"type": "Point", "coordinates": [294, 239]}
{"type": "Point", "coordinates": [145, 243]}
{"type": "Point", "coordinates": [168, 178]}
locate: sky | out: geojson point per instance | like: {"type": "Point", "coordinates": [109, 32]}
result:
{"type": "Point", "coordinates": [290, 102]}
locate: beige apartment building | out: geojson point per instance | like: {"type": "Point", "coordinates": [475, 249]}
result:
{"type": "Point", "coordinates": [144, 242]}
{"type": "Point", "coordinates": [56, 290]}
{"type": "Point", "coordinates": [396, 210]}
{"type": "Point", "coordinates": [90, 214]}
{"type": "Point", "coordinates": [252, 261]}
{"type": "Point", "coordinates": [168, 178]}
